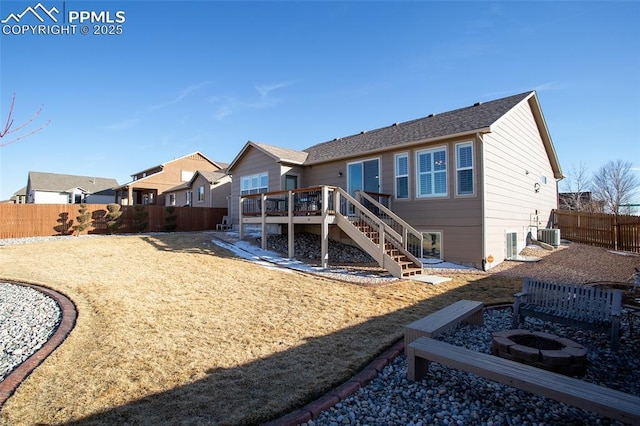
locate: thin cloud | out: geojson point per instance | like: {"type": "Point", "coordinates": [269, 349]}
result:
{"type": "Point", "coordinates": [181, 95]}
{"type": "Point", "coordinates": [226, 106]}
{"type": "Point", "coordinates": [552, 85]}
{"type": "Point", "coordinates": [265, 89]}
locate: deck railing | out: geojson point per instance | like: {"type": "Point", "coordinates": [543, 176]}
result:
{"type": "Point", "coordinates": [407, 236]}
{"type": "Point", "coordinates": [303, 202]}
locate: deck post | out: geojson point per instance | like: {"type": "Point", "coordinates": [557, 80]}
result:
{"type": "Point", "coordinates": [240, 227]}
{"type": "Point", "coordinates": [325, 227]}
{"type": "Point", "coordinates": [263, 203]}
{"type": "Point", "coordinates": [290, 227]}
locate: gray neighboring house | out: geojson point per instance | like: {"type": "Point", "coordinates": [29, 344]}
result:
{"type": "Point", "coordinates": [204, 189]}
{"type": "Point", "coordinates": [54, 188]}
{"type": "Point", "coordinates": [474, 182]}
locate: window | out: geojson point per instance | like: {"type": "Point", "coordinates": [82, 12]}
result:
{"type": "Point", "coordinates": [189, 198]}
{"type": "Point", "coordinates": [464, 168]}
{"type": "Point", "coordinates": [432, 244]}
{"type": "Point", "coordinates": [402, 176]}
{"type": "Point", "coordinates": [201, 194]}
{"type": "Point", "coordinates": [432, 172]}
{"type": "Point", "coordinates": [172, 199]}
{"type": "Point", "coordinates": [254, 184]}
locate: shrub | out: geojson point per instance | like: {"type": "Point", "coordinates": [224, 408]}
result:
{"type": "Point", "coordinates": [140, 218]}
{"type": "Point", "coordinates": [171, 219]}
{"type": "Point", "coordinates": [83, 220]}
{"type": "Point", "coordinates": [113, 217]}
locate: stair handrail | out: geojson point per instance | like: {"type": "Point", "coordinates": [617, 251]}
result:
{"type": "Point", "coordinates": [405, 226]}
{"type": "Point", "coordinates": [398, 241]}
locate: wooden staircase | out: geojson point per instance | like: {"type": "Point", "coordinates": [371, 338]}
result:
{"type": "Point", "coordinates": [407, 266]}
{"type": "Point", "coordinates": [387, 244]}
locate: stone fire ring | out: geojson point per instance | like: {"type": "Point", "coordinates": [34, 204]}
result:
{"type": "Point", "coordinates": [567, 357]}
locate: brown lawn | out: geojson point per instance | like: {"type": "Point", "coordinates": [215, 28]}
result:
{"type": "Point", "coordinates": [173, 329]}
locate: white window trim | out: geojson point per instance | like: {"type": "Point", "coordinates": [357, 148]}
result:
{"type": "Point", "coordinates": [200, 194]}
{"type": "Point", "coordinates": [472, 168]}
{"type": "Point", "coordinates": [249, 178]}
{"type": "Point", "coordinates": [396, 176]}
{"type": "Point", "coordinates": [417, 172]}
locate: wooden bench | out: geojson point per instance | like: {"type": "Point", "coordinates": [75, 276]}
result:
{"type": "Point", "coordinates": [579, 306]}
{"type": "Point", "coordinates": [578, 393]}
{"type": "Point", "coordinates": [447, 317]}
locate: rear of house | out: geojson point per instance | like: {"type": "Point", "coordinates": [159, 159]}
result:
{"type": "Point", "coordinates": [468, 180]}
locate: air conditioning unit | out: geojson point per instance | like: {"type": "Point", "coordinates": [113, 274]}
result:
{"type": "Point", "coordinates": [549, 236]}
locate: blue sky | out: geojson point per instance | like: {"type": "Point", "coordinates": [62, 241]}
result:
{"type": "Point", "coordinates": [209, 76]}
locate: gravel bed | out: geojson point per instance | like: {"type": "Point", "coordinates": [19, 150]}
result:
{"type": "Point", "coordinates": [447, 396]}
{"type": "Point", "coordinates": [27, 319]}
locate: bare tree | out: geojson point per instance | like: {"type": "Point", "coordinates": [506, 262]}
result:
{"type": "Point", "coordinates": [11, 131]}
{"type": "Point", "coordinates": [615, 184]}
{"type": "Point", "coordinates": [575, 193]}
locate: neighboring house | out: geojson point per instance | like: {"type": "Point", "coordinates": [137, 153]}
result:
{"type": "Point", "coordinates": [470, 183]}
{"type": "Point", "coordinates": [53, 188]}
{"type": "Point", "coordinates": [205, 189]}
{"type": "Point", "coordinates": [579, 201]}
{"type": "Point", "coordinates": [149, 185]}
{"type": "Point", "coordinates": [20, 196]}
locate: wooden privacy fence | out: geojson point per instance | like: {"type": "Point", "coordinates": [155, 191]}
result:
{"type": "Point", "coordinates": [620, 232]}
{"type": "Point", "coordinates": [38, 220]}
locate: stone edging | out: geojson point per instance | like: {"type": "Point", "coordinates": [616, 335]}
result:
{"type": "Point", "coordinates": [331, 398]}
{"type": "Point", "coordinates": [68, 318]}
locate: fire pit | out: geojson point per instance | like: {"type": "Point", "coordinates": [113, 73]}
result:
{"type": "Point", "coordinates": [542, 350]}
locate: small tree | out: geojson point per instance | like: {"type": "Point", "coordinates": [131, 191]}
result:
{"type": "Point", "coordinates": [10, 130]}
{"type": "Point", "coordinates": [615, 184]}
{"type": "Point", "coordinates": [140, 218]}
{"type": "Point", "coordinates": [113, 217]}
{"type": "Point", "coordinates": [83, 220]}
{"type": "Point", "coordinates": [171, 219]}
{"type": "Point", "coordinates": [575, 189]}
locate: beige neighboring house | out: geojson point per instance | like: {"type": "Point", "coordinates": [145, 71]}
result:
{"type": "Point", "coordinates": [54, 188]}
{"type": "Point", "coordinates": [149, 185]}
{"type": "Point", "coordinates": [205, 189]}
{"type": "Point", "coordinates": [469, 185]}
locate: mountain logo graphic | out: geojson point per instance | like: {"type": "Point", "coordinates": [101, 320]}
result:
{"type": "Point", "coordinates": [38, 11]}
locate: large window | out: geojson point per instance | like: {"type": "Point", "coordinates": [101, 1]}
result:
{"type": "Point", "coordinates": [402, 176]}
{"type": "Point", "coordinates": [464, 168]}
{"type": "Point", "coordinates": [254, 184]}
{"type": "Point", "coordinates": [432, 172]}
{"type": "Point", "coordinates": [201, 194]}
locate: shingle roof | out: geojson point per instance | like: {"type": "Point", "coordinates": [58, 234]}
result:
{"type": "Point", "coordinates": [213, 176]}
{"type": "Point", "coordinates": [459, 121]}
{"type": "Point", "coordinates": [40, 181]}
{"type": "Point", "coordinates": [283, 154]}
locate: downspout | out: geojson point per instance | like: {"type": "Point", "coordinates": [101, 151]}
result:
{"type": "Point", "coordinates": [483, 201]}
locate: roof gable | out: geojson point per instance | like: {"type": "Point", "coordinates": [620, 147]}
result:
{"type": "Point", "coordinates": [478, 117]}
{"type": "Point", "coordinates": [281, 155]}
{"type": "Point", "coordinates": [198, 153]}
{"type": "Point", "coordinates": [53, 182]}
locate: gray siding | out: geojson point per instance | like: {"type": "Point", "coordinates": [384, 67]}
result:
{"type": "Point", "coordinates": [515, 161]}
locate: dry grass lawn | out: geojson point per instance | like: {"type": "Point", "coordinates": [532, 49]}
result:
{"type": "Point", "coordinates": [173, 329]}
